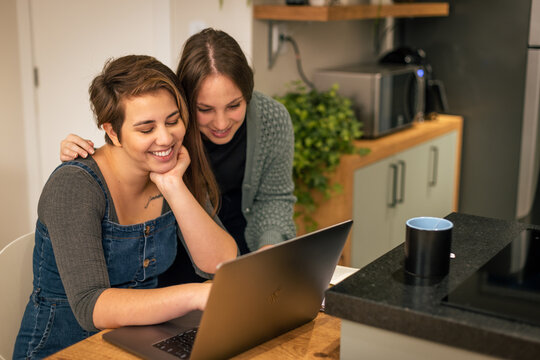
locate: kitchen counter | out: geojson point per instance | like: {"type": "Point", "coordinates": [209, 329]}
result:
{"type": "Point", "coordinates": [381, 297]}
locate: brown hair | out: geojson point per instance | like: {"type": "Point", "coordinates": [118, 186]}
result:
{"type": "Point", "coordinates": [213, 52]}
{"type": "Point", "coordinates": [136, 75]}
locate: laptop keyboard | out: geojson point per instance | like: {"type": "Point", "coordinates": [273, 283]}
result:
{"type": "Point", "coordinates": [179, 345]}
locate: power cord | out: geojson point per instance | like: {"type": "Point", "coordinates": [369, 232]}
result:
{"type": "Point", "coordinates": [379, 37]}
{"type": "Point", "coordinates": [298, 60]}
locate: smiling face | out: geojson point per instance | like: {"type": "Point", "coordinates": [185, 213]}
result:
{"type": "Point", "coordinates": [153, 131]}
{"type": "Point", "coordinates": [220, 108]}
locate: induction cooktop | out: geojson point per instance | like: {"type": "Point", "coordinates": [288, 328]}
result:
{"type": "Point", "coordinates": [508, 285]}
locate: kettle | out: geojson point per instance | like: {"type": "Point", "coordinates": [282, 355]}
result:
{"type": "Point", "coordinates": [435, 97]}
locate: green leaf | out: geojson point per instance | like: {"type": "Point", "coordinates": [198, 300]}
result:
{"type": "Point", "coordinates": [325, 127]}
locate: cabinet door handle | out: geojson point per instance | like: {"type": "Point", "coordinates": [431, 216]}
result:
{"type": "Point", "coordinates": [393, 197]}
{"type": "Point", "coordinates": [401, 165]}
{"type": "Point", "coordinates": [435, 165]}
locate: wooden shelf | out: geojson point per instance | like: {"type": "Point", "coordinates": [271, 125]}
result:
{"type": "Point", "coordinates": [348, 12]}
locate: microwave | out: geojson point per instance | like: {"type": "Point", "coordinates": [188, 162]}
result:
{"type": "Point", "coordinates": [385, 97]}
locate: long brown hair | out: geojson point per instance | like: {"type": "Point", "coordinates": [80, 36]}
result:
{"type": "Point", "coordinates": [136, 75]}
{"type": "Point", "coordinates": [209, 52]}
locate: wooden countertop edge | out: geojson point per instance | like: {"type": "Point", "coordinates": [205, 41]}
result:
{"type": "Point", "coordinates": [392, 144]}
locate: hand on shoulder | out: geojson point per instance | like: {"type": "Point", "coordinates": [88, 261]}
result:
{"type": "Point", "coordinates": [74, 146]}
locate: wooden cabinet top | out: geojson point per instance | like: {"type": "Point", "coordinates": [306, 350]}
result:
{"type": "Point", "coordinates": [402, 140]}
{"type": "Point", "coordinates": [348, 12]}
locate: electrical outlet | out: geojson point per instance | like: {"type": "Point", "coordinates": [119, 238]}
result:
{"type": "Point", "coordinates": [278, 30]}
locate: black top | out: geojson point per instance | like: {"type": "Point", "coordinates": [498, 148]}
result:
{"type": "Point", "coordinates": [228, 163]}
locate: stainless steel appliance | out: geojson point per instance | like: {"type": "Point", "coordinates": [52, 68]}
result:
{"type": "Point", "coordinates": [435, 101]}
{"type": "Point", "coordinates": [489, 61]}
{"type": "Point", "coordinates": [386, 98]}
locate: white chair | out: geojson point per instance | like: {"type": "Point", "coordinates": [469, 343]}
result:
{"type": "Point", "coordinates": [15, 289]}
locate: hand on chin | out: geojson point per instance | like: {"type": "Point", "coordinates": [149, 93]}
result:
{"type": "Point", "coordinates": [172, 180]}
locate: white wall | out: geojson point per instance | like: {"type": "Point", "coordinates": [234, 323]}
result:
{"type": "Point", "coordinates": [13, 186]}
{"type": "Point", "coordinates": [321, 45]}
{"type": "Point", "coordinates": [234, 17]}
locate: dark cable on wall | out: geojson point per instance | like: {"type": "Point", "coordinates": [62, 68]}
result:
{"type": "Point", "coordinates": [298, 61]}
{"type": "Point", "coordinates": [379, 37]}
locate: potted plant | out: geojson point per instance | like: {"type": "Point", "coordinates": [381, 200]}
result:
{"type": "Point", "coordinates": [325, 127]}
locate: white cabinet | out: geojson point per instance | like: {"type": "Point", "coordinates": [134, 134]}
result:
{"type": "Point", "coordinates": [419, 181]}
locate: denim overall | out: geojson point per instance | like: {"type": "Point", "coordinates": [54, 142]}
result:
{"type": "Point", "coordinates": [135, 256]}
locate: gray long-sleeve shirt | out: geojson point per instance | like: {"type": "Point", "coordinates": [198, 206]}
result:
{"type": "Point", "coordinates": [72, 207]}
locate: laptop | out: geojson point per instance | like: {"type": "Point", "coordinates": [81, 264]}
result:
{"type": "Point", "coordinates": [254, 298]}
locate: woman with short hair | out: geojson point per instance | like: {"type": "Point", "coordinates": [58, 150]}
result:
{"type": "Point", "coordinates": [108, 224]}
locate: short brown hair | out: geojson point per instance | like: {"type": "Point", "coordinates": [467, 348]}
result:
{"type": "Point", "coordinates": [213, 52]}
{"type": "Point", "coordinates": [137, 75]}
{"type": "Point", "coordinates": [126, 77]}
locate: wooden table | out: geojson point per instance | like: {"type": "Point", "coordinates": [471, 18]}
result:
{"type": "Point", "coordinates": [317, 339]}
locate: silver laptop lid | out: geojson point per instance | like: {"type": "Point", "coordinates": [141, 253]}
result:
{"type": "Point", "coordinates": [266, 293]}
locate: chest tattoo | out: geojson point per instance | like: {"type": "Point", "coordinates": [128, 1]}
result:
{"type": "Point", "coordinates": [152, 198]}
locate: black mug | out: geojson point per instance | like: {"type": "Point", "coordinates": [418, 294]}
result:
{"type": "Point", "coordinates": [427, 247]}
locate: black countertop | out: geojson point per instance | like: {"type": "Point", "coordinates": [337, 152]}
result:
{"type": "Point", "coordinates": [380, 296]}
